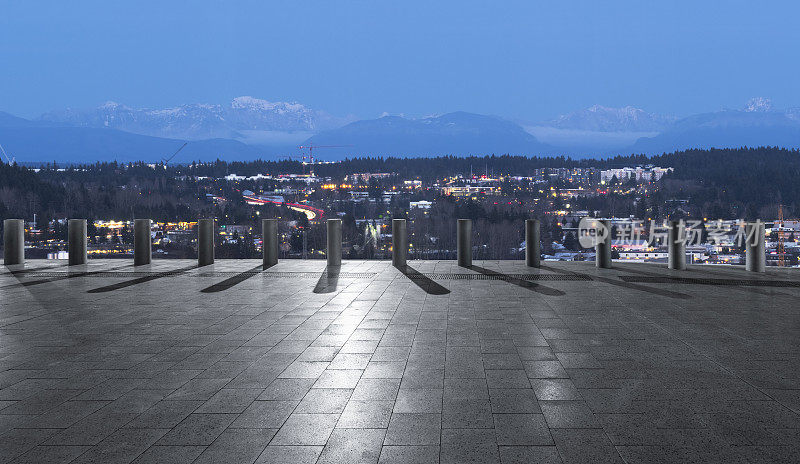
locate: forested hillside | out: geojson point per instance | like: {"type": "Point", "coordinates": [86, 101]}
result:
{"type": "Point", "coordinates": [725, 183]}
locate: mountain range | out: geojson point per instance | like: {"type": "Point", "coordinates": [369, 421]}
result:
{"type": "Point", "coordinates": [200, 121]}
{"type": "Point", "coordinates": [727, 128]}
{"type": "Point", "coordinates": [248, 128]}
{"type": "Point", "coordinates": [457, 134]}
{"type": "Point", "coordinates": [604, 119]}
{"type": "Point", "coordinates": [38, 141]}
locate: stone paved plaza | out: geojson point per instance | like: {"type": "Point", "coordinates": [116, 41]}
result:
{"type": "Point", "coordinates": [170, 363]}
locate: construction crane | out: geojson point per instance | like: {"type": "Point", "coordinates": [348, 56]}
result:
{"type": "Point", "coordinates": [167, 160]}
{"type": "Point", "coordinates": [310, 147]}
{"type": "Point", "coordinates": [300, 159]}
{"type": "Point", "coordinates": [10, 161]}
{"type": "Point", "coordinates": [781, 251]}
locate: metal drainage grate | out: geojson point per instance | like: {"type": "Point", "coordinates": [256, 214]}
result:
{"type": "Point", "coordinates": [498, 276]}
{"type": "Point", "coordinates": [317, 275]}
{"type": "Point", "coordinates": [720, 282]}
{"type": "Point", "coordinates": [134, 274]}
{"type": "Point", "coordinates": [184, 273]}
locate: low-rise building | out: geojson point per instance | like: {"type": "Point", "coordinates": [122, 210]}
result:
{"type": "Point", "coordinates": [647, 173]}
{"type": "Point", "coordinates": [422, 204]}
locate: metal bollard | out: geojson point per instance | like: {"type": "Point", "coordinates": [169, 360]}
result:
{"type": "Point", "coordinates": [13, 241]}
{"type": "Point", "coordinates": [334, 250]}
{"type": "Point", "coordinates": [399, 243]}
{"type": "Point", "coordinates": [755, 258]}
{"type": "Point", "coordinates": [464, 242]}
{"type": "Point", "coordinates": [142, 242]}
{"type": "Point", "coordinates": [676, 246]}
{"type": "Point", "coordinates": [205, 242]}
{"type": "Point", "coordinates": [269, 241]}
{"type": "Point", "coordinates": [76, 239]}
{"type": "Point", "coordinates": [603, 246]}
{"type": "Point", "coordinates": [533, 252]}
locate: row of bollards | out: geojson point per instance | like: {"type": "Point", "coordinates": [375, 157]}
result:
{"type": "Point", "coordinates": [14, 243]}
{"type": "Point", "coordinates": [755, 258]}
{"type": "Point", "coordinates": [464, 243]}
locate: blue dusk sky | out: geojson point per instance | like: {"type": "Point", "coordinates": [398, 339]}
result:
{"type": "Point", "coordinates": [528, 60]}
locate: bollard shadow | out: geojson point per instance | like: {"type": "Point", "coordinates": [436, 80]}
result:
{"type": "Point", "coordinates": [235, 280]}
{"type": "Point", "coordinates": [14, 272]}
{"type": "Point", "coordinates": [328, 280]}
{"type": "Point", "coordinates": [422, 281]}
{"type": "Point", "coordinates": [264, 267]}
{"type": "Point", "coordinates": [141, 280]}
{"type": "Point", "coordinates": [757, 291]}
{"type": "Point", "coordinates": [538, 288]}
{"type": "Point", "coordinates": [70, 275]}
{"type": "Point", "coordinates": [623, 284]}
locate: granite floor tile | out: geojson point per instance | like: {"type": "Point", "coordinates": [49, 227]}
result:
{"type": "Point", "coordinates": [265, 414]}
{"type": "Point", "coordinates": [338, 378]}
{"type": "Point", "coordinates": [306, 429]}
{"type": "Point", "coordinates": [514, 400]}
{"type": "Point", "coordinates": [50, 454]}
{"type": "Point", "coordinates": [585, 446]}
{"type": "Point", "coordinates": [469, 446]}
{"type": "Point", "coordinates": [171, 454]}
{"type": "Point", "coordinates": [414, 429]}
{"type": "Point", "coordinates": [287, 389]}
{"type": "Point", "coordinates": [198, 429]}
{"type": "Point", "coordinates": [568, 415]}
{"type": "Point", "coordinates": [379, 370]}
{"type": "Point", "coordinates": [164, 414]}
{"type": "Point", "coordinates": [366, 414]}
{"type": "Point", "coordinates": [467, 414]}
{"type": "Point", "coordinates": [529, 454]}
{"type": "Point", "coordinates": [522, 430]}
{"type": "Point", "coordinates": [353, 446]}
{"type": "Point", "coordinates": [280, 454]}
{"type": "Point", "coordinates": [376, 389]}
{"type": "Point", "coordinates": [545, 370]}
{"type": "Point", "coordinates": [409, 454]}
{"type": "Point", "coordinates": [237, 446]}
{"type": "Point", "coordinates": [230, 400]}
{"type": "Point", "coordinates": [123, 446]}
{"type": "Point", "coordinates": [418, 400]}
{"type": "Point", "coordinates": [324, 401]}
{"type": "Point", "coordinates": [555, 389]}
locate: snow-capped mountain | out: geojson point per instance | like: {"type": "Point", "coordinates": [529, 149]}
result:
{"type": "Point", "coordinates": [758, 104]}
{"type": "Point", "coordinates": [456, 134]}
{"type": "Point", "coordinates": [195, 121]}
{"type": "Point", "coordinates": [599, 118]}
{"type": "Point", "coordinates": [248, 127]}
{"type": "Point", "coordinates": [757, 124]}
